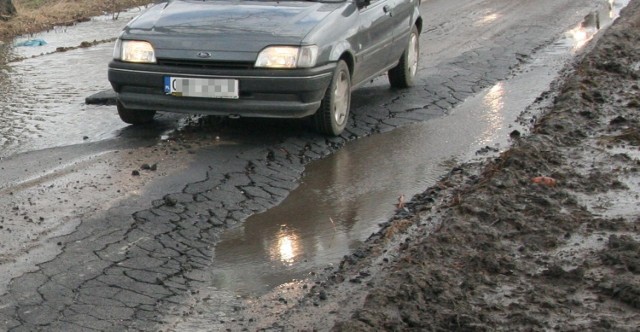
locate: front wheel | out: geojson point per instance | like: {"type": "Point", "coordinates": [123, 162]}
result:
{"type": "Point", "coordinates": [331, 118]}
{"type": "Point", "coordinates": [403, 75]}
{"type": "Point", "coordinates": [135, 117]}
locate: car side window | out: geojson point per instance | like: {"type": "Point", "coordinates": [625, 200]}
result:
{"type": "Point", "coordinates": [371, 3]}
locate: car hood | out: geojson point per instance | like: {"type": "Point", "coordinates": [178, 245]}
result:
{"type": "Point", "coordinates": [178, 28]}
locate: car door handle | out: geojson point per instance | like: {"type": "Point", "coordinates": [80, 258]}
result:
{"type": "Point", "coordinates": [387, 10]}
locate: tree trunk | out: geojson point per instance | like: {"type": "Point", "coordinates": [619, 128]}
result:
{"type": "Point", "coordinates": [6, 10]}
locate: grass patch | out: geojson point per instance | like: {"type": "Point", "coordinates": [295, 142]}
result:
{"type": "Point", "coordinates": [40, 15]}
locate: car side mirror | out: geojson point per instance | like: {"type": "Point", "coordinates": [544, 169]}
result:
{"type": "Point", "coordinates": [362, 3]}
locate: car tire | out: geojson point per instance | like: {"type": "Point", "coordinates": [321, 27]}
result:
{"type": "Point", "coordinates": [135, 117]}
{"type": "Point", "coordinates": [403, 75]}
{"type": "Point", "coordinates": [332, 116]}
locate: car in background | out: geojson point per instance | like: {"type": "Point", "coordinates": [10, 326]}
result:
{"type": "Point", "coordinates": [262, 58]}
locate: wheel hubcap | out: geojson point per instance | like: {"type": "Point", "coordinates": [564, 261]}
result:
{"type": "Point", "coordinates": [412, 56]}
{"type": "Point", "coordinates": [341, 99]}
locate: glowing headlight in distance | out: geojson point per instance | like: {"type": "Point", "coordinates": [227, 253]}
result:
{"type": "Point", "coordinates": [287, 57]}
{"type": "Point", "coordinates": [135, 51]}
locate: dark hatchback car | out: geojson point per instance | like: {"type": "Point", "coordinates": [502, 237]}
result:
{"type": "Point", "coordinates": [254, 58]}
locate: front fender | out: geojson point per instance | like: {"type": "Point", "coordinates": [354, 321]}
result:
{"type": "Point", "coordinates": [339, 49]}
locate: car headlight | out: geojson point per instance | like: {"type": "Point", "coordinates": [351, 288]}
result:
{"type": "Point", "coordinates": [287, 57]}
{"type": "Point", "coordinates": [134, 51]}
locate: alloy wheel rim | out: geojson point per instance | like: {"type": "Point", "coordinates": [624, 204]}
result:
{"type": "Point", "coordinates": [341, 99]}
{"type": "Point", "coordinates": [412, 57]}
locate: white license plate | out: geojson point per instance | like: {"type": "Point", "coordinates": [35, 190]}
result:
{"type": "Point", "coordinates": [201, 87]}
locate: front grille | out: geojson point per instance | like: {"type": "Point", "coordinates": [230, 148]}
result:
{"type": "Point", "coordinates": [206, 64]}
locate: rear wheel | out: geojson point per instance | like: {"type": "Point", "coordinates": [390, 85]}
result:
{"type": "Point", "coordinates": [331, 118]}
{"type": "Point", "coordinates": [135, 117]}
{"type": "Point", "coordinates": [404, 74]}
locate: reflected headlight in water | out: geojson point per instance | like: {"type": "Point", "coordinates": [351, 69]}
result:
{"type": "Point", "coordinates": [134, 51]}
{"type": "Point", "coordinates": [287, 57]}
{"type": "Point", "coordinates": [285, 246]}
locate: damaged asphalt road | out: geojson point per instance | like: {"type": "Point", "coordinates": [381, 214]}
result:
{"type": "Point", "coordinates": [101, 241]}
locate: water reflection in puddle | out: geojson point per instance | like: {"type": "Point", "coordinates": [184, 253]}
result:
{"type": "Point", "coordinates": [326, 216]}
{"type": "Point", "coordinates": [578, 37]}
{"type": "Point", "coordinates": [344, 197]}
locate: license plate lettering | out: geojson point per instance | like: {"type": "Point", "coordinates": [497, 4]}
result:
{"type": "Point", "coordinates": [201, 87]}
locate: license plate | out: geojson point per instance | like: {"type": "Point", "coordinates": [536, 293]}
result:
{"type": "Point", "coordinates": [201, 87]}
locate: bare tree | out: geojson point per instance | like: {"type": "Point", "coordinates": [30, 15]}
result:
{"type": "Point", "coordinates": [6, 10]}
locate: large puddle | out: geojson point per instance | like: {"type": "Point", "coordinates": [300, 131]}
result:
{"type": "Point", "coordinates": [344, 197]}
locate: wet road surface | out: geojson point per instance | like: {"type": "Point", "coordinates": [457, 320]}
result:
{"type": "Point", "coordinates": [42, 96]}
{"type": "Point", "coordinates": [238, 208]}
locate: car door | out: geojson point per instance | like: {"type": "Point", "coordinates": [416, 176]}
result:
{"type": "Point", "coordinates": [402, 16]}
{"type": "Point", "coordinates": [374, 40]}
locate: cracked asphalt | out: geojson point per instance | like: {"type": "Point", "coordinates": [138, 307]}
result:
{"type": "Point", "coordinates": [140, 262]}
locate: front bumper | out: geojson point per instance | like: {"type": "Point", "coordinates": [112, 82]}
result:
{"type": "Point", "coordinates": [263, 92]}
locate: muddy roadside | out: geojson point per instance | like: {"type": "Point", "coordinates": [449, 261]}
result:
{"type": "Point", "coordinates": [544, 236]}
